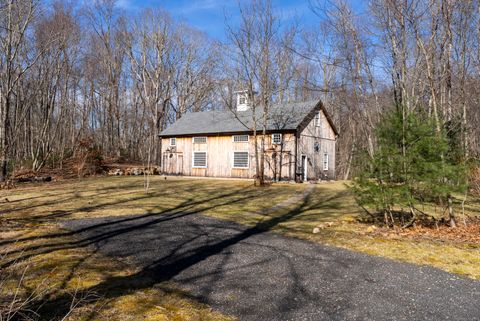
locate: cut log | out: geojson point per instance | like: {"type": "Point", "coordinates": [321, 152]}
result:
{"type": "Point", "coordinates": [34, 179]}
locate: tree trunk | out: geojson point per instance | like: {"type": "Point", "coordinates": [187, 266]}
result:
{"type": "Point", "coordinates": [451, 213]}
{"type": "Point", "coordinates": [4, 135]}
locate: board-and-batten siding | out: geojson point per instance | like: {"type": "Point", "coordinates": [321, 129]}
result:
{"type": "Point", "coordinates": [220, 157]}
{"type": "Point", "coordinates": [326, 138]}
{"type": "Point", "coordinates": [280, 160]}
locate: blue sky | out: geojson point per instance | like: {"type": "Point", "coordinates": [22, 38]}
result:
{"type": "Point", "coordinates": [209, 15]}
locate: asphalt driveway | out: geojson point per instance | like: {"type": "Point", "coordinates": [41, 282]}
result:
{"type": "Point", "coordinates": [259, 275]}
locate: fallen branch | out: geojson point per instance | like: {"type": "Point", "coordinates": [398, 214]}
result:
{"type": "Point", "coordinates": [34, 179]}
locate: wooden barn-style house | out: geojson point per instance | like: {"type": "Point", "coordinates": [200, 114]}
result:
{"type": "Point", "coordinates": [300, 142]}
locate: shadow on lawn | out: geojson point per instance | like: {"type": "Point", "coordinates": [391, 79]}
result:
{"type": "Point", "coordinates": [170, 265]}
{"type": "Point", "coordinates": [90, 208]}
{"type": "Point", "coordinates": [184, 209]}
{"type": "Point", "coordinates": [59, 198]}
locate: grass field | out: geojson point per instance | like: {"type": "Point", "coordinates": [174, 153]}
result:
{"type": "Point", "coordinates": [32, 242]}
{"type": "Point", "coordinates": [35, 250]}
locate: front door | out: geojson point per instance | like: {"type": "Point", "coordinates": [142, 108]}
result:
{"type": "Point", "coordinates": [173, 163]}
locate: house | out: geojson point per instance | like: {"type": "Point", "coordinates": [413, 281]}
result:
{"type": "Point", "coordinates": [300, 142]}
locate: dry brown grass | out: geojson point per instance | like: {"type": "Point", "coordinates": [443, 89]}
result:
{"type": "Point", "coordinates": [31, 213]}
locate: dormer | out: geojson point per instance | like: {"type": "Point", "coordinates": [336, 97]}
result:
{"type": "Point", "coordinates": [243, 100]}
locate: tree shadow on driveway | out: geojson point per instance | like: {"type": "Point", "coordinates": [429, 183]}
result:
{"type": "Point", "coordinates": [165, 246]}
{"type": "Point", "coordinates": [257, 275]}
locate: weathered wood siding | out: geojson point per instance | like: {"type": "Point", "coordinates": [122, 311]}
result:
{"type": "Point", "coordinates": [179, 159]}
{"type": "Point", "coordinates": [323, 135]}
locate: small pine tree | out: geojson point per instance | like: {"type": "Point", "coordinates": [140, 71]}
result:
{"type": "Point", "coordinates": [413, 163]}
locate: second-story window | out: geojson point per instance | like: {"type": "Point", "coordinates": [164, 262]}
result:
{"type": "Point", "coordinates": [240, 138]}
{"type": "Point", "coordinates": [276, 139]}
{"type": "Point", "coordinates": [199, 140]}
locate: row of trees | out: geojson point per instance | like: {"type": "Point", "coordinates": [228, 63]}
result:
{"type": "Point", "coordinates": [70, 74]}
{"type": "Point", "coordinates": [93, 71]}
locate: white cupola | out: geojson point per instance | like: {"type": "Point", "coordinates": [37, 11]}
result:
{"type": "Point", "coordinates": [243, 100]}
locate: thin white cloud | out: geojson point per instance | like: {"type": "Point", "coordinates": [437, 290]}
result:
{"type": "Point", "coordinates": [126, 4]}
{"type": "Point", "coordinates": [296, 10]}
{"type": "Point", "coordinates": [203, 5]}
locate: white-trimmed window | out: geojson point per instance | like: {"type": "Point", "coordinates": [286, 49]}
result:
{"type": "Point", "coordinates": [325, 161]}
{"type": "Point", "coordinates": [240, 138]}
{"type": "Point", "coordinates": [240, 160]}
{"type": "Point", "coordinates": [200, 140]}
{"type": "Point", "coordinates": [276, 139]}
{"type": "Point", "coordinates": [317, 119]}
{"type": "Point", "coordinates": [199, 160]}
{"type": "Point", "coordinates": [173, 141]}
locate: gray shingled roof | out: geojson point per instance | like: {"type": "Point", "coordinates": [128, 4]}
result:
{"type": "Point", "coordinates": [281, 117]}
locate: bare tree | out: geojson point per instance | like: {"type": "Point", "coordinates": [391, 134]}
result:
{"type": "Point", "coordinates": [150, 50]}
{"type": "Point", "coordinates": [253, 44]}
{"type": "Point", "coordinates": [115, 79]}
{"type": "Point", "coordinates": [15, 60]}
{"type": "Point", "coordinates": [108, 28]}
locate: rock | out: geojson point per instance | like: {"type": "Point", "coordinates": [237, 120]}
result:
{"type": "Point", "coordinates": [316, 230]}
{"type": "Point", "coordinates": [324, 225]}
{"type": "Point", "coordinates": [371, 228]}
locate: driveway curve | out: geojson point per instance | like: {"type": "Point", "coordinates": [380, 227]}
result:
{"type": "Point", "coordinates": [259, 275]}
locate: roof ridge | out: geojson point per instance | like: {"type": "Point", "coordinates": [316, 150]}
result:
{"type": "Point", "coordinates": [228, 121]}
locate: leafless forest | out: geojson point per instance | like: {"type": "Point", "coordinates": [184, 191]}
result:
{"type": "Point", "coordinates": [93, 75]}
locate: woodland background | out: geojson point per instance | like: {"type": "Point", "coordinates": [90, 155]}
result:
{"type": "Point", "coordinates": [76, 76]}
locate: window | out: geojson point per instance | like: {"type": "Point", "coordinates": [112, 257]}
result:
{"type": "Point", "coordinates": [242, 100]}
{"type": "Point", "coordinates": [199, 140]}
{"type": "Point", "coordinates": [240, 138]}
{"type": "Point", "coordinates": [276, 139]}
{"type": "Point", "coordinates": [240, 159]}
{"type": "Point", "coordinates": [316, 147]}
{"type": "Point", "coordinates": [173, 141]}
{"type": "Point", "coordinates": [199, 159]}
{"type": "Point", "coordinates": [325, 162]}
{"type": "Point", "coordinates": [317, 119]}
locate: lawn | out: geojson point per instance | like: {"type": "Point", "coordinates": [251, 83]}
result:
{"type": "Point", "coordinates": [55, 264]}
{"type": "Point", "coordinates": [42, 261]}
